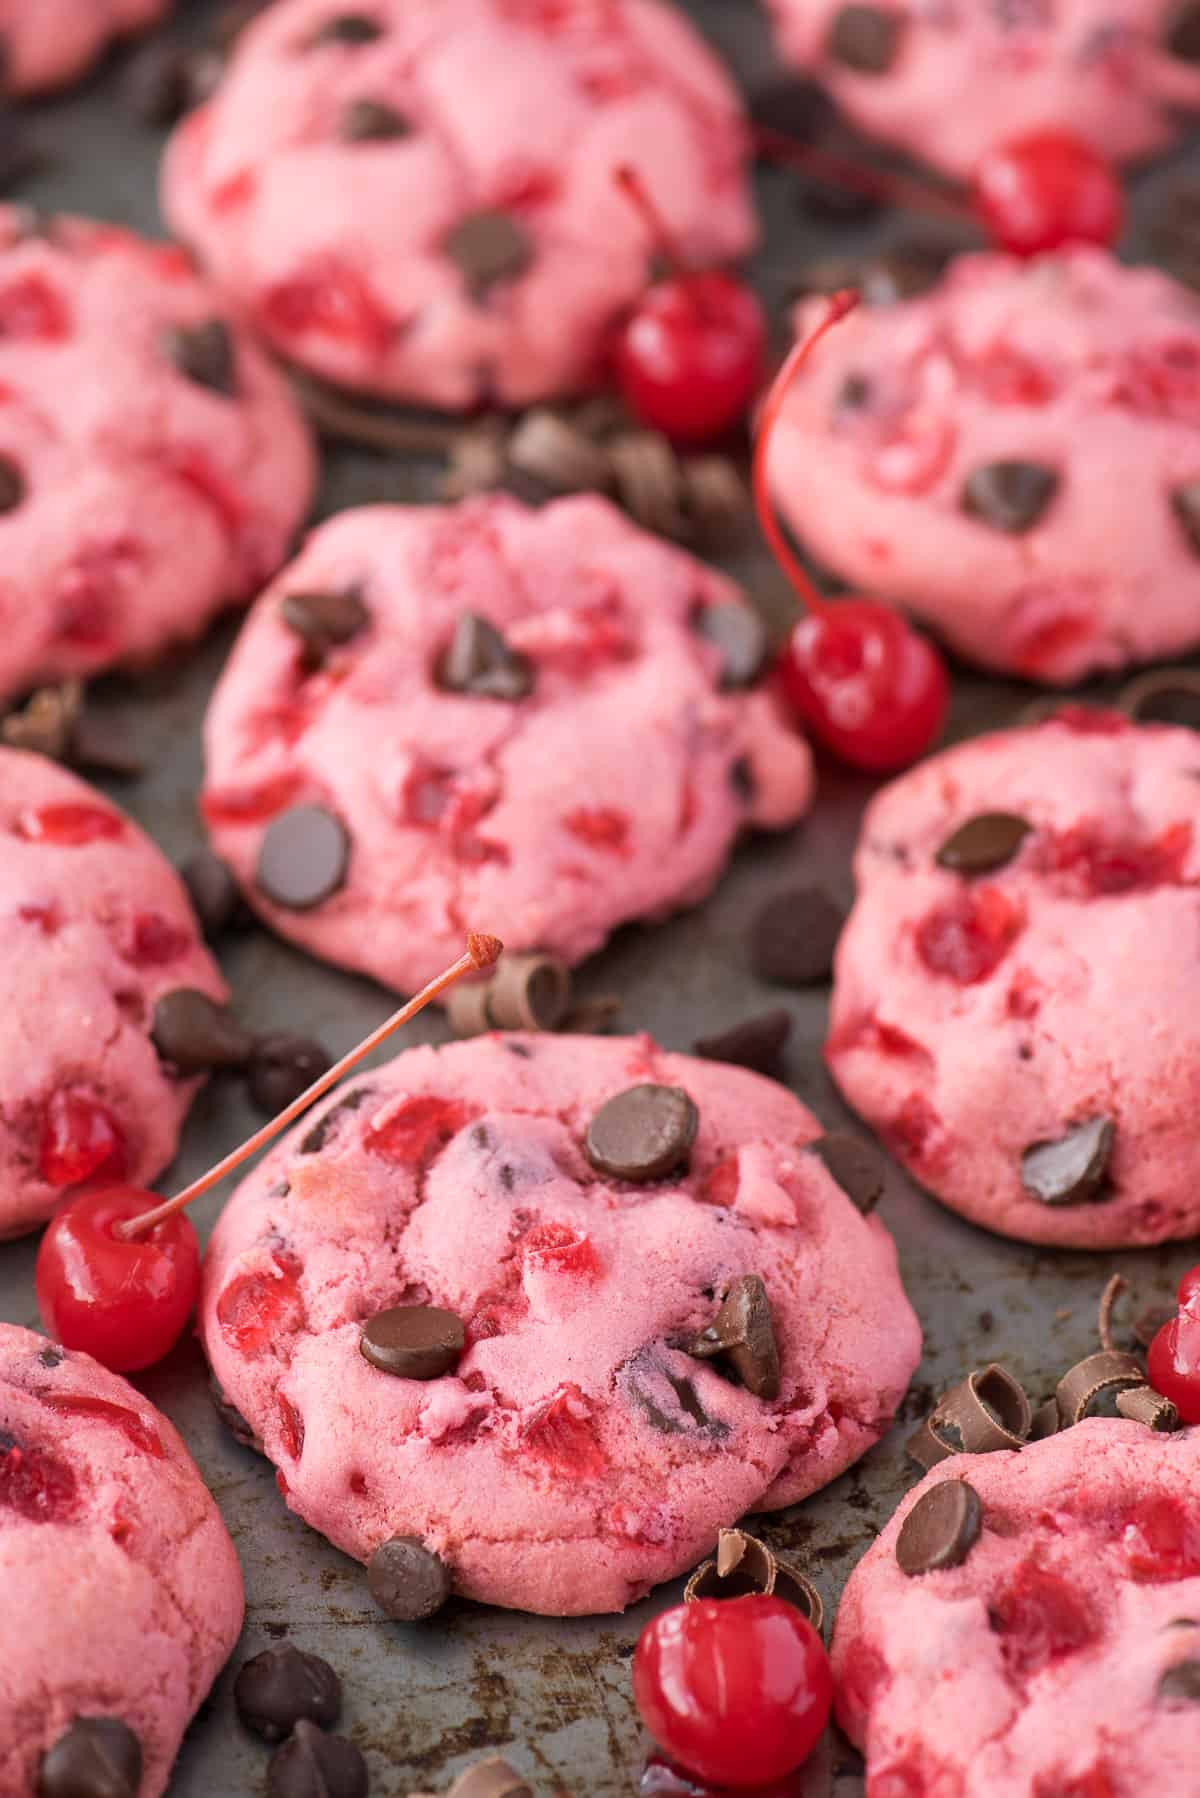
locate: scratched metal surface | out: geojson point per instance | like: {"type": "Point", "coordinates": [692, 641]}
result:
{"type": "Point", "coordinates": [554, 1696]}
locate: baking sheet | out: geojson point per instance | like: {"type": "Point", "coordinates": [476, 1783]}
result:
{"type": "Point", "coordinates": [554, 1697]}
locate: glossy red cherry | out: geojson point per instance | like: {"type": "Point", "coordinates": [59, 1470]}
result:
{"type": "Point", "coordinates": [735, 1690]}
{"type": "Point", "coordinates": [1044, 190]}
{"type": "Point", "coordinates": [1173, 1361]}
{"type": "Point", "coordinates": [866, 684]}
{"type": "Point", "coordinates": [691, 355]}
{"type": "Point", "coordinates": [125, 1301]}
{"type": "Point", "coordinates": [1189, 1287]}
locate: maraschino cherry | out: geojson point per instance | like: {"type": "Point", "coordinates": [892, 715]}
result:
{"type": "Point", "coordinates": [1173, 1361]}
{"type": "Point", "coordinates": [869, 686]}
{"type": "Point", "coordinates": [691, 355]}
{"type": "Point", "coordinates": [118, 1269]}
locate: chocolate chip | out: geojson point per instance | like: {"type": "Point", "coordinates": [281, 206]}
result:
{"type": "Point", "coordinates": [1182, 1681]}
{"type": "Point", "coordinates": [643, 1133]}
{"type": "Point", "coordinates": [740, 635]}
{"type": "Point", "coordinates": [855, 1166]}
{"type": "Point", "coordinates": [1010, 496]}
{"type": "Point", "coordinates": [794, 935]}
{"type": "Point", "coordinates": [204, 353]}
{"type": "Point", "coordinates": [324, 621]}
{"type": "Point", "coordinates": [157, 86]}
{"type": "Point", "coordinates": [370, 121]}
{"type": "Point", "coordinates": [1185, 503]}
{"type": "Point", "coordinates": [853, 394]}
{"type": "Point", "coordinates": [479, 661]}
{"type": "Point", "coordinates": [1070, 1169]}
{"type": "Point", "coordinates": [97, 1757]}
{"type": "Point", "coordinates": [1182, 34]}
{"type": "Point", "coordinates": [757, 1043]}
{"type": "Point", "coordinates": [489, 247]}
{"type": "Point", "coordinates": [312, 1765]}
{"type": "Point", "coordinates": [557, 454]}
{"type": "Point", "coordinates": [865, 38]}
{"type": "Point", "coordinates": [743, 1333]}
{"type": "Point", "coordinates": [277, 1688]}
{"type": "Point", "coordinates": [316, 1138]}
{"type": "Point", "coordinates": [407, 1580]}
{"type": "Point", "coordinates": [347, 28]}
{"type": "Point", "coordinates": [415, 1342]}
{"type": "Point", "coordinates": [282, 1067]}
{"type": "Point", "coordinates": [212, 890]}
{"type": "Point", "coordinates": [987, 841]}
{"type": "Point", "coordinates": [1141, 1404]}
{"type": "Point", "coordinates": [12, 484]}
{"type": "Point", "coordinates": [195, 1034]}
{"type": "Point", "coordinates": [650, 483]}
{"type": "Point", "coordinates": [941, 1529]}
{"type": "Point", "coordinates": [303, 858]}
{"type": "Point", "coordinates": [1168, 696]}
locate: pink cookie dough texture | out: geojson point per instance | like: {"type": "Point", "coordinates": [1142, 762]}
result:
{"type": "Point", "coordinates": [1041, 1667]}
{"type": "Point", "coordinates": [517, 108]}
{"type": "Point", "coordinates": [577, 1456]}
{"type": "Point", "coordinates": [122, 1590]}
{"type": "Point", "coordinates": [95, 927]}
{"type": "Point", "coordinates": [47, 43]}
{"type": "Point", "coordinates": [1084, 372]}
{"type": "Point", "coordinates": [614, 791]}
{"type": "Point", "coordinates": [949, 82]}
{"type": "Point", "coordinates": [135, 500]}
{"type": "Point", "coordinates": [976, 1015]}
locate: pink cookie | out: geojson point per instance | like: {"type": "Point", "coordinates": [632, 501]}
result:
{"type": "Point", "coordinates": [1032, 1633]}
{"type": "Point", "coordinates": [484, 716]}
{"type": "Point", "coordinates": [95, 928]}
{"type": "Point", "coordinates": [122, 1591]}
{"type": "Point", "coordinates": [576, 1453]}
{"type": "Point", "coordinates": [488, 253]}
{"type": "Point", "coordinates": [1011, 1009]}
{"type": "Point", "coordinates": [949, 82]}
{"type": "Point", "coordinates": [1015, 457]}
{"type": "Point", "coordinates": [47, 43]}
{"type": "Point", "coordinates": [153, 466]}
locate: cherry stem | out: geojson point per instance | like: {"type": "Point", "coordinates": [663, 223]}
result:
{"type": "Point", "coordinates": [877, 184]}
{"type": "Point", "coordinates": [482, 952]}
{"type": "Point", "coordinates": [839, 305]}
{"type": "Point", "coordinates": [634, 189]}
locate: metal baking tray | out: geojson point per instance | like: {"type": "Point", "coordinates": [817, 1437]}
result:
{"type": "Point", "coordinates": [553, 1697]}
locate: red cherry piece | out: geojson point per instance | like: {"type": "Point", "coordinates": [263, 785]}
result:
{"type": "Point", "coordinates": [561, 1250]}
{"type": "Point", "coordinates": [255, 1308]}
{"type": "Point", "coordinates": [35, 1483]}
{"type": "Point", "coordinates": [600, 827]}
{"type": "Point", "coordinates": [1161, 1541]}
{"type": "Point", "coordinates": [47, 917]}
{"type": "Point", "coordinates": [914, 1128]}
{"type": "Point", "coordinates": [1105, 868]}
{"type": "Point", "coordinates": [562, 1436]}
{"type": "Point", "coordinates": [80, 1138]}
{"type": "Point", "coordinates": [123, 1301]}
{"type": "Point", "coordinates": [691, 356]}
{"type": "Point", "coordinates": [152, 941]}
{"type": "Point", "coordinates": [119, 1417]}
{"type": "Point", "coordinates": [417, 1133]}
{"type": "Point", "coordinates": [736, 1690]}
{"type": "Point", "coordinates": [1095, 1783]}
{"type": "Point", "coordinates": [722, 1184]}
{"type": "Point", "coordinates": [1040, 1619]}
{"type": "Point", "coordinates": [291, 1426]}
{"type": "Point", "coordinates": [30, 308]}
{"type": "Point", "coordinates": [330, 300]}
{"type": "Point", "coordinates": [251, 805]}
{"type": "Point", "coordinates": [967, 938]}
{"type": "Point", "coordinates": [68, 826]}
{"type": "Point", "coordinates": [1045, 190]}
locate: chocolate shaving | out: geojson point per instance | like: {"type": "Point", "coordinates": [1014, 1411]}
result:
{"type": "Point", "coordinates": [1046, 1421]}
{"type": "Point", "coordinates": [987, 1411]}
{"type": "Point", "coordinates": [743, 1333]}
{"type": "Point", "coordinates": [1164, 696]}
{"type": "Point", "coordinates": [744, 1564]}
{"type": "Point", "coordinates": [529, 992]}
{"type": "Point", "coordinates": [1141, 1404]}
{"type": "Point", "coordinates": [1108, 1371]}
{"type": "Point", "coordinates": [467, 1008]}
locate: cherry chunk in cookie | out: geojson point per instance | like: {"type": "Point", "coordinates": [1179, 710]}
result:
{"type": "Point", "coordinates": [531, 1319]}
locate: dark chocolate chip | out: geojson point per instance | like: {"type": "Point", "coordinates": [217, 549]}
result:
{"type": "Point", "coordinates": [1009, 496]}
{"type": "Point", "coordinates": [12, 484]}
{"type": "Point", "coordinates": [212, 890]}
{"type": "Point", "coordinates": [371, 121]}
{"type": "Point", "coordinates": [865, 38]}
{"type": "Point", "coordinates": [303, 858]}
{"type": "Point", "coordinates": [489, 247]}
{"type": "Point", "coordinates": [941, 1529]}
{"type": "Point", "coordinates": [1170, 696]}
{"type": "Point", "coordinates": [204, 353]}
{"type": "Point", "coordinates": [987, 841]}
{"type": "Point", "coordinates": [1070, 1169]}
{"type": "Point", "coordinates": [757, 1043]}
{"type": "Point", "coordinates": [1182, 34]}
{"type": "Point", "coordinates": [195, 1034]}
{"type": "Point", "coordinates": [1182, 1681]}
{"type": "Point", "coordinates": [743, 1333]}
{"type": "Point", "coordinates": [479, 661]}
{"type": "Point", "coordinates": [407, 1580]}
{"type": "Point", "coordinates": [415, 1342]}
{"type": "Point", "coordinates": [97, 1757]}
{"type": "Point", "coordinates": [277, 1688]}
{"type": "Point", "coordinates": [643, 1133]}
{"type": "Point", "coordinates": [51, 1355]}
{"type": "Point", "coordinates": [740, 635]}
{"type": "Point", "coordinates": [347, 28]}
{"type": "Point", "coordinates": [794, 935]}
{"type": "Point", "coordinates": [324, 621]}
{"type": "Point", "coordinates": [648, 1384]}
{"type": "Point", "coordinates": [312, 1765]}
{"type": "Point", "coordinates": [853, 394]}
{"type": "Point", "coordinates": [855, 1166]}
{"type": "Point", "coordinates": [282, 1067]}
{"type": "Point", "coordinates": [1185, 503]}
{"type": "Point", "coordinates": [316, 1138]}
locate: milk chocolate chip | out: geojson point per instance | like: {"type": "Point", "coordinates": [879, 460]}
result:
{"type": "Point", "coordinates": [940, 1530]}
{"type": "Point", "coordinates": [313, 1765]}
{"type": "Point", "coordinates": [204, 353]}
{"type": "Point", "coordinates": [1070, 1169]}
{"type": "Point", "coordinates": [643, 1133]}
{"type": "Point", "coordinates": [196, 1035]}
{"type": "Point", "coordinates": [415, 1342]}
{"type": "Point", "coordinates": [743, 1333]}
{"type": "Point", "coordinates": [407, 1580]}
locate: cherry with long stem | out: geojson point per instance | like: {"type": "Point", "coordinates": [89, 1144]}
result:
{"type": "Point", "coordinates": [118, 1269]}
{"type": "Point", "coordinates": [866, 684]}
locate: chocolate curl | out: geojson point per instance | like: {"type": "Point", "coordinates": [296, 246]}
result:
{"type": "Point", "coordinates": [1139, 696]}
{"type": "Point", "coordinates": [1109, 1371]}
{"type": "Point", "coordinates": [744, 1564]}
{"type": "Point", "coordinates": [1046, 1421]}
{"type": "Point", "coordinates": [987, 1411]}
{"type": "Point", "coordinates": [526, 992]}
{"type": "Point", "coordinates": [1141, 1404]}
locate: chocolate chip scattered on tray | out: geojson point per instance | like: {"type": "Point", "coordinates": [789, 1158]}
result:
{"type": "Point", "coordinates": [757, 1043]}
{"type": "Point", "coordinates": [282, 1067]}
{"type": "Point", "coordinates": [643, 1133]}
{"type": "Point", "coordinates": [311, 1764]}
{"type": "Point", "coordinates": [855, 1165]}
{"type": "Point", "coordinates": [408, 1581]}
{"type": "Point", "coordinates": [196, 1035]}
{"type": "Point", "coordinates": [212, 890]}
{"type": "Point", "coordinates": [941, 1529]}
{"type": "Point", "coordinates": [794, 935]}
{"type": "Point", "coordinates": [280, 1686]}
